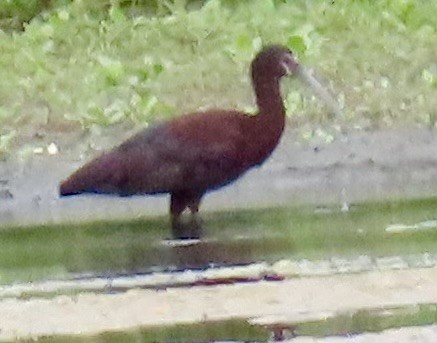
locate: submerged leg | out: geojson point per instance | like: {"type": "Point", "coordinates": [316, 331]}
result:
{"type": "Point", "coordinates": [196, 223]}
{"type": "Point", "coordinates": [177, 206]}
{"type": "Point", "coordinates": [178, 203]}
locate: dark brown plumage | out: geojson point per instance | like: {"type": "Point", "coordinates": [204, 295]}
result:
{"type": "Point", "coordinates": [195, 153]}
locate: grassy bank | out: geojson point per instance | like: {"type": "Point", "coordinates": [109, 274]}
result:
{"type": "Point", "coordinates": [80, 65]}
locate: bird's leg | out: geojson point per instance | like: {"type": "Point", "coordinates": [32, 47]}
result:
{"type": "Point", "coordinates": [179, 230]}
{"type": "Point", "coordinates": [196, 223]}
{"type": "Point", "coordinates": [177, 205]}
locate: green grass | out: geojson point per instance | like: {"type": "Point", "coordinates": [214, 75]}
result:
{"type": "Point", "coordinates": [72, 65]}
{"type": "Point", "coordinates": [240, 330]}
{"type": "Point", "coordinates": [33, 253]}
{"type": "Point", "coordinates": [371, 321]}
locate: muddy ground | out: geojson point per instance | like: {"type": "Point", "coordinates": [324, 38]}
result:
{"type": "Point", "coordinates": [357, 166]}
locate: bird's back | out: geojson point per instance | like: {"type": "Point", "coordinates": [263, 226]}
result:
{"type": "Point", "coordinates": [194, 152]}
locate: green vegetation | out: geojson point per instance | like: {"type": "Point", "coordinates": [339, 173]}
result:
{"type": "Point", "coordinates": [240, 330]}
{"type": "Point", "coordinates": [270, 235]}
{"type": "Point", "coordinates": [372, 321]}
{"type": "Point", "coordinates": [72, 65]}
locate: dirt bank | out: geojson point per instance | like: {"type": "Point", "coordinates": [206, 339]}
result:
{"type": "Point", "coordinates": [357, 166]}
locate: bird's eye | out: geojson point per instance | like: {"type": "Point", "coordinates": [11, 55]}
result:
{"type": "Point", "coordinates": [288, 63]}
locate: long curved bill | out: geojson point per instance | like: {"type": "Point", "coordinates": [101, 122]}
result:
{"type": "Point", "coordinates": [304, 75]}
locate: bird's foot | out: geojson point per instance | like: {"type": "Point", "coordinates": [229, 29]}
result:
{"type": "Point", "coordinates": [196, 229]}
{"type": "Point", "coordinates": [189, 230]}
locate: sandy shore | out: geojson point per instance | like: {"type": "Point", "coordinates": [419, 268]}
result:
{"type": "Point", "coordinates": [292, 300]}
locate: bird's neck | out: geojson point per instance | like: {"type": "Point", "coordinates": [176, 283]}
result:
{"type": "Point", "coordinates": [270, 104]}
{"type": "Point", "coordinates": [268, 97]}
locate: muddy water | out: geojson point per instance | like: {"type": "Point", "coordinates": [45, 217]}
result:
{"type": "Point", "coordinates": [232, 238]}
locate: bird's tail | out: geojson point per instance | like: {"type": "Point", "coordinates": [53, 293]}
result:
{"type": "Point", "coordinates": [99, 176]}
{"type": "Point", "coordinates": [69, 187]}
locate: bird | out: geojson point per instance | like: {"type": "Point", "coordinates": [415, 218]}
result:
{"type": "Point", "coordinates": [196, 153]}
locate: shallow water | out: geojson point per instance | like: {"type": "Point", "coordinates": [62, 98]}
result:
{"type": "Point", "coordinates": [311, 234]}
{"type": "Point", "coordinates": [232, 238]}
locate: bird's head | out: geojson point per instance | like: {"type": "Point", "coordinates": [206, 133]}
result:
{"type": "Point", "coordinates": [274, 61]}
